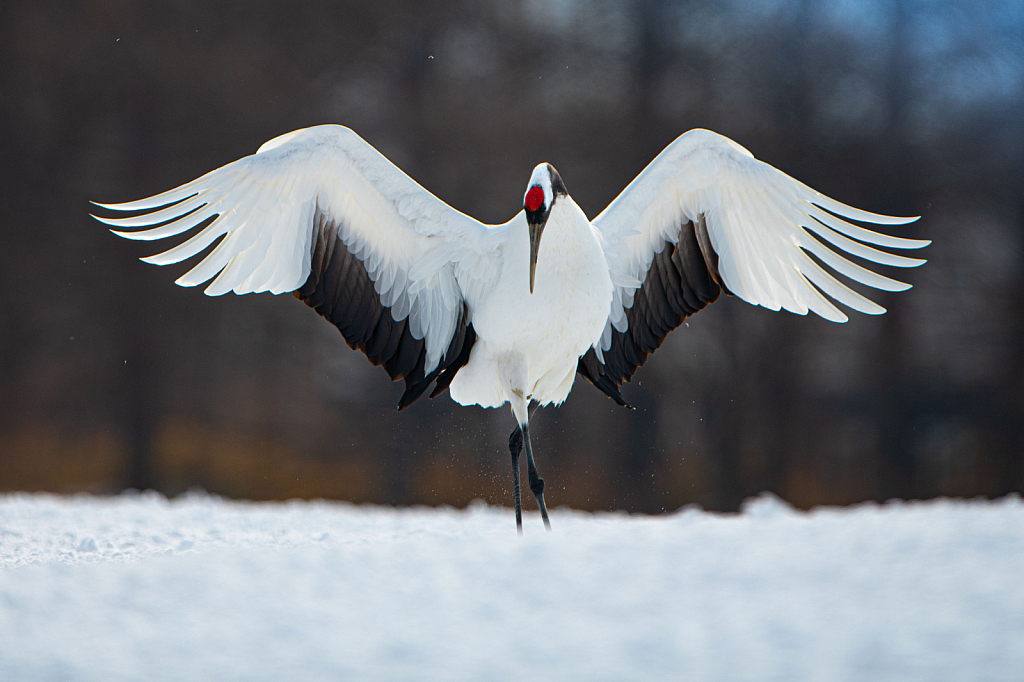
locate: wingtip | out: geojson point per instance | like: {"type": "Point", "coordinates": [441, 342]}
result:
{"type": "Point", "coordinates": [186, 281]}
{"type": "Point", "coordinates": [109, 221]}
{"type": "Point", "coordinates": [914, 243]}
{"type": "Point", "coordinates": [157, 201]}
{"type": "Point", "coordinates": [127, 205]}
{"type": "Point", "coordinates": [840, 318]}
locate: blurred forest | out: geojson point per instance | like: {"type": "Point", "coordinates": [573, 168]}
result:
{"type": "Point", "coordinates": [112, 377]}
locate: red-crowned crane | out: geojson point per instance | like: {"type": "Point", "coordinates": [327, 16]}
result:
{"type": "Point", "coordinates": [512, 312]}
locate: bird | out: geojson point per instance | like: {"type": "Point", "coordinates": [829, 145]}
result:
{"type": "Point", "coordinates": [512, 313]}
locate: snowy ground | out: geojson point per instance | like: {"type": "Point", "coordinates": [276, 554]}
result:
{"type": "Point", "coordinates": [139, 588]}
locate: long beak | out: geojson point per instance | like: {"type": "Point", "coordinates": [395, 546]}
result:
{"type": "Point", "coordinates": [535, 231]}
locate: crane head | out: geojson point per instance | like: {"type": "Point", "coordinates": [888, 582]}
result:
{"type": "Point", "coordinates": [541, 193]}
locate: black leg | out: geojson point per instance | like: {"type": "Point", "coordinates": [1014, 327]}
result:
{"type": "Point", "coordinates": [536, 482]}
{"type": "Point", "coordinates": [516, 441]}
{"type": "Point", "coordinates": [515, 446]}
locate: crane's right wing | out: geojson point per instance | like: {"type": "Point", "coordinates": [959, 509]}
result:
{"type": "Point", "coordinates": [320, 212]}
{"type": "Point", "coordinates": [706, 216]}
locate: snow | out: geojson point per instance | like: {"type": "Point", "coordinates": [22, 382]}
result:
{"type": "Point", "coordinates": [137, 587]}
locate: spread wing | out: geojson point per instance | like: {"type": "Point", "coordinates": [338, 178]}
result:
{"type": "Point", "coordinates": [706, 216]}
{"type": "Point", "coordinates": [322, 213]}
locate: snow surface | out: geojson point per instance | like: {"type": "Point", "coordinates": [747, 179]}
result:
{"type": "Point", "coordinates": [200, 588]}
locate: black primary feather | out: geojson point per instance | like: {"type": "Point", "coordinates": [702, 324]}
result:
{"type": "Point", "coordinates": [340, 289]}
{"type": "Point", "coordinates": [683, 279]}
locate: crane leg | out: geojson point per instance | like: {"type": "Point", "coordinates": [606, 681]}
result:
{"type": "Point", "coordinates": [536, 482]}
{"type": "Point", "coordinates": [515, 446]}
{"type": "Point", "coordinates": [516, 440]}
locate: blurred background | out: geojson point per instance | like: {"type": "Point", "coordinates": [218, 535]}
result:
{"type": "Point", "coordinates": [112, 377]}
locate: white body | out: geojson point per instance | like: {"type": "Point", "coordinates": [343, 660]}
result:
{"type": "Point", "coordinates": [528, 344]}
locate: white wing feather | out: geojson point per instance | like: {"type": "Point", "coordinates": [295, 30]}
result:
{"type": "Point", "coordinates": [759, 221]}
{"type": "Point", "coordinates": [414, 246]}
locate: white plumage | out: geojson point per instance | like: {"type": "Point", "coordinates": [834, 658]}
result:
{"type": "Point", "coordinates": [535, 340]}
{"type": "Point", "coordinates": [412, 244]}
{"type": "Point", "coordinates": [758, 220]}
{"type": "Point", "coordinates": [440, 297]}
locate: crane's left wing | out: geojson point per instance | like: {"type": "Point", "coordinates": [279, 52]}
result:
{"type": "Point", "coordinates": [322, 213]}
{"type": "Point", "coordinates": [706, 216]}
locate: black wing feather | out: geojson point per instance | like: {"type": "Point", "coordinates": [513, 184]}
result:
{"type": "Point", "coordinates": [340, 289]}
{"type": "Point", "coordinates": [683, 279]}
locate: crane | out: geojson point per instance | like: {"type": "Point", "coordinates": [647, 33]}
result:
{"type": "Point", "coordinates": [511, 313]}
